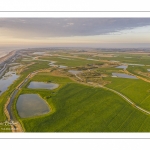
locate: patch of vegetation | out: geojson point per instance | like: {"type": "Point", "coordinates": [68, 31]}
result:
{"type": "Point", "coordinates": [80, 108]}
{"type": "Point", "coordinates": [136, 90]}
{"type": "Point", "coordinates": [140, 71]}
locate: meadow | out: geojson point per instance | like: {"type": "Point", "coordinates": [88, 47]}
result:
{"type": "Point", "coordinates": [81, 108]}
{"type": "Point", "coordinates": [135, 89]}
{"type": "Point", "coordinates": [87, 109]}
{"type": "Point", "coordinates": [131, 59]}
{"type": "Point", "coordinates": [77, 107]}
{"type": "Point", "coordinates": [70, 62]}
{"type": "Point", "coordinates": [4, 97]}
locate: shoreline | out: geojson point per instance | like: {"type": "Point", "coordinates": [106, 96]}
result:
{"type": "Point", "coordinates": [7, 56]}
{"type": "Point", "coordinates": [4, 52]}
{"type": "Point", "coordinates": [6, 60]}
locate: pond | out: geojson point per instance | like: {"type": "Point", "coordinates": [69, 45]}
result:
{"type": "Point", "coordinates": [42, 85]}
{"type": "Point", "coordinates": [61, 66]}
{"type": "Point", "coordinates": [30, 105]}
{"type": "Point", "coordinates": [74, 71]}
{"type": "Point", "coordinates": [122, 67]}
{"type": "Point", "coordinates": [148, 69]}
{"type": "Point", "coordinates": [52, 64]}
{"type": "Point", "coordinates": [7, 80]}
{"type": "Point", "coordinates": [123, 75]}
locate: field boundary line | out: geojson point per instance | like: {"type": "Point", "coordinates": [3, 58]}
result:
{"type": "Point", "coordinates": [144, 99]}
{"type": "Point", "coordinates": [125, 120]}
{"type": "Point", "coordinates": [127, 86]}
{"type": "Point", "coordinates": [115, 116]}
{"type": "Point", "coordinates": [142, 124]}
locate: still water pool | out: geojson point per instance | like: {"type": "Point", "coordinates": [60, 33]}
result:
{"type": "Point", "coordinates": [42, 85]}
{"type": "Point", "coordinates": [30, 105]}
{"type": "Point", "coordinates": [123, 75]}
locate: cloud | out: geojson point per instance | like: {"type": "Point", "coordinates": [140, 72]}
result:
{"type": "Point", "coordinates": [67, 27]}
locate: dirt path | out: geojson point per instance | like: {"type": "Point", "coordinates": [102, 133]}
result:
{"type": "Point", "coordinates": [121, 95]}
{"type": "Point", "coordinates": [78, 77]}
{"type": "Point", "coordinates": [17, 126]}
{"type": "Point", "coordinates": [127, 99]}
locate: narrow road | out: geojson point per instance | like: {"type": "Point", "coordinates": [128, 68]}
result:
{"type": "Point", "coordinates": [78, 77]}
{"type": "Point", "coordinates": [12, 97]}
{"type": "Point", "coordinates": [15, 127]}
{"type": "Point", "coordinates": [127, 99]}
{"type": "Point", "coordinates": [123, 96]}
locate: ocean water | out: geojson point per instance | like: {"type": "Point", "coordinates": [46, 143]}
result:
{"type": "Point", "coordinates": [4, 52]}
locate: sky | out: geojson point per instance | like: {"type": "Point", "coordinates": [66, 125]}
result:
{"type": "Point", "coordinates": [74, 32]}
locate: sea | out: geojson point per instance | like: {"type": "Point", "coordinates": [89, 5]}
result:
{"type": "Point", "coordinates": [4, 52]}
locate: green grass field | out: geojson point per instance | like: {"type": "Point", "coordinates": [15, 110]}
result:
{"type": "Point", "coordinates": [70, 62]}
{"type": "Point", "coordinates": [4, 97]}
{"type": "Point", "coordinates": [137, 90]}
{"type": "Point", "coordinates": [137, 70]}
{"type": "Point", "coordinates": [135, 58]}
{"type": "Point", "coordinates": [80, 108]}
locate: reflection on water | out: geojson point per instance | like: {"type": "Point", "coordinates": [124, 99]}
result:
{"type": "Point", "coordinates": [61, 66]}
{"type": "Point", "coordinates": [122, 67]}
{"type": "Point", "coordinates": [123, 75]}
{"type": "Point", "coordinates": [52, 64]}
{"type": "Point", "coordinates": [29, 105]}
{"type": "Point", "coordinates": [42, 85]}
{"type": "Point", "coordinates": [7, 80]}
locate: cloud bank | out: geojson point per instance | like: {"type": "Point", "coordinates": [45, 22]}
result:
{"type": "Point", "coordinates": [67, 27]}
